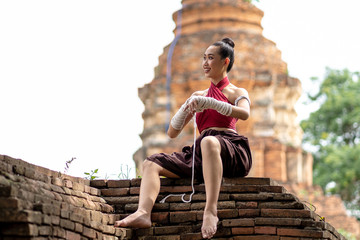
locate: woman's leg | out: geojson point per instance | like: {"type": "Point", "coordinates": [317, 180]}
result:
{"type": "Point", "coordinates": [212, 171]}
{"type": "Point", "coordinates": [149, 190]}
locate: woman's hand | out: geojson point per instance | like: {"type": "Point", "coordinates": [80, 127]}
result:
{"type": "Point", "coordinates": [200, 103]}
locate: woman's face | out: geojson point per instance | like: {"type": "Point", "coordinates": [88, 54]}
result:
{"type": "Point", "coordinates": [214, 67]}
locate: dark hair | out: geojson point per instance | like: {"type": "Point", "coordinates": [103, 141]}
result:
{"type": "Point", "coordinates": [226, 49]}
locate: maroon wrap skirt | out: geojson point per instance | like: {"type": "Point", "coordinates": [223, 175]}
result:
{"type": "Point", "coordinates": [235, 156]}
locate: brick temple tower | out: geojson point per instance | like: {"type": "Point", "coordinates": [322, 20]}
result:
{"type": "Point", "coordinates": [275, 135]}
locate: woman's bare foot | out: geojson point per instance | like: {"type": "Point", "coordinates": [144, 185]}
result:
{"type": "Point", "coordinates": [138, 219]}
{"type": "Point", "coordinates": [209, 225]}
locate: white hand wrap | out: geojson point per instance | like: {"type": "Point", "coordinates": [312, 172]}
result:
{"type": "Point", "coordinates": [178, 119]}
{"type": "Point", "coordinates": [208, 102]}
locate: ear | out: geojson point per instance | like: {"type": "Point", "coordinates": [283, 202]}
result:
{"type": "Point", "coordinates": [227, 60]}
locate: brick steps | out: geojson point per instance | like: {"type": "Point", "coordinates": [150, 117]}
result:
{"type": "Point", "coordinates": [248, 208]}
{"type": "Point", "coordinates": [38, 204]}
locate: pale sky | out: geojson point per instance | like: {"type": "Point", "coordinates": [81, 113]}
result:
{"type": "Point", "coordinates": [70, 70]}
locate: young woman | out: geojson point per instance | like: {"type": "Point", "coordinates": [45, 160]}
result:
{"type": "Point", "coordinates": [219, 150]}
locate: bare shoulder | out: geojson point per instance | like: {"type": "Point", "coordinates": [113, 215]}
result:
{"type": "Point", "coordinates": [234, 92]}
{"type": "Point", "coordinates": [200, 93]}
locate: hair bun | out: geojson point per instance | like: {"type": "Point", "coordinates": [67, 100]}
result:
{"type": "Point", "coordinates": [228, 41]}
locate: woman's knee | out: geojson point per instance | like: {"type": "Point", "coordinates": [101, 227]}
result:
{"type": "Point", "coordinates": [210, 144]}
{"type": "Point", "coordinates": [150, 166]}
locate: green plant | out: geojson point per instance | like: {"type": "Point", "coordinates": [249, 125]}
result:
{"type": "Point", "coordinates": [124, 173]}
{"type": "Point", "coordinates": [91, 175]}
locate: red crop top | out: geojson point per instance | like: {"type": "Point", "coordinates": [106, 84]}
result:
{"type": "Point", "coordinates": [211, 118]}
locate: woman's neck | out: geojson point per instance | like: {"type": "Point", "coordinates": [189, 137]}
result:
{"type": "Point", "coordinates": [215, 81]}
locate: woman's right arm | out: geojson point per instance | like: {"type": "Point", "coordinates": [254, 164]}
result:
{"type": "Point", "coordinates": [173, 133]}
{"type": "Point", "coordinates": [181, 118]}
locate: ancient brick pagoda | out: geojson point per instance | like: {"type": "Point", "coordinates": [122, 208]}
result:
{"type": "Point", "coordinates": [273, 131]}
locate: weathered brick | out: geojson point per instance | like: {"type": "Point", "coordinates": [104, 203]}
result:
{"type": "Point", "coordinates": [249, 213]}
{"type": "Point", "coordinates": [180, 206]}
{"type": "Point", "coordinates": [299, 233]}
{"type": "Point", "coordinates": [67, 224]}
{"type": "Point", "coordinates": [8, 191]}
{"type": "Point", "coordinates": [109, 229]}
{"type": "Point", "coordinates": [79, 194]}
{"type": "Point", "coordinates": [104, 207]}
{"type": "Point", "coordinates": [87, 189]}
{"type": "Point", "coordinates": [265, 230]}
{"type": "Point", "coordinates": [59, 232]}
{"type": "Point", "coordinates": [256, 237]}
{"type": "Point", "coordinates": [11, 215]}
{"type": "Point", "coordinates": [179, 217]}
{"type": "Point", "coordinates": [243, 222]}
{"type": "Point", "coordinates": [252, 196]}
{"type": "Point", "coordinates": [115, 192]}
{"type": "Point", "coordinates": [46, 219]}
{"type": "Point", "coordinates": [95, 191]}
{"type": "Point", "coordinates": [273, 189]}
{"type": "Point", "coordinates": [112, 218]}
{"type": "Point", "coordinates": [72, 236]}
{"type": "Point", "coordinates": [227, 213]}
{"type": "Point", "coordinates": [286, 213]}
{"type": "Point", "coordinates": [249, 181]}
{"type": "Point", "coordinates": [25, 195]}
{"type": "Point", "coordinates": [118, 183]}
{"type": "Point", "coordinates": [242, 205]}
{"type": "Point", "coordinates": [279, 221]}
{"type": "Point", "coordinates": [122, 200]}
{"type": "Point", "coordinates": [198, 206]}
{"type": "Point", "coordinates": [101, 236]}
{"type": "Point", "coordinates": [242, 230]}
{"type": "Point", "coordinates": [240, 188]}
{"type": "Point", "coordinates": [135, 182]}
{"type": "Point", "coordinates": [78, 187]}
{"type": "Point", "coordinates": [282, 205]}
{"type": "Point", "coordinates": [96, 216]}
{"type": "Point", "coordinates": [98, 183]}
{"type": "Point", "coordinates": [191, 236]}
{"type": "Point", "coordinates": [145, 232]}
{"type": "Point", "coordinates": [97, 225]}
{"type": "Point", "coordinates": [166, 230]}
{"type": "Point", "coordinates": [5, 167]}
{"type": "Point", "coordinates": [284, 197]}
{"type": "Point", "coordinates": [169, 237]}
{"type": "Point", "coordinates": [65, 214]}
{"type": "Point", "coordinates": [45, 230]}
{"type": "Point", "coordinates": [21, 229]}
{"type": "Point", "coordinates": [57, 189]}
{"type": "Point", "coordinates": [9, 203]}
{"type": "Point", "coordinates": [78, 228]}
{"type": "Point", "coordinates": [175, 189]}
{"type": "Point", "coordinates": [160, 217]}
{"type": "Point", "coordinates": [55, 220]}
{"type": "Point", "coordinates": [67, 183]}
{"type": "Point", "coordinates": [19, 169]}
{"type": "Point", "coordinates": [57, 182]}
{"type": "Point", "coordinates": [88, 232]}
{"type": "Point", "coordinates": [46, 208]}
{"type": "Point", "coordinates": [76, 218]}
{"type": "Point", "coordinates": [124, 233]}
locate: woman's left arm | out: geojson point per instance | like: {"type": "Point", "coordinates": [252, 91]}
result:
{"type": "Point", "coordinates": [242, 109]}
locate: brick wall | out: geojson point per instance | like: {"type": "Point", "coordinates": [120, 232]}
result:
{"type": "Point", "coordinates": [37, 203]}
